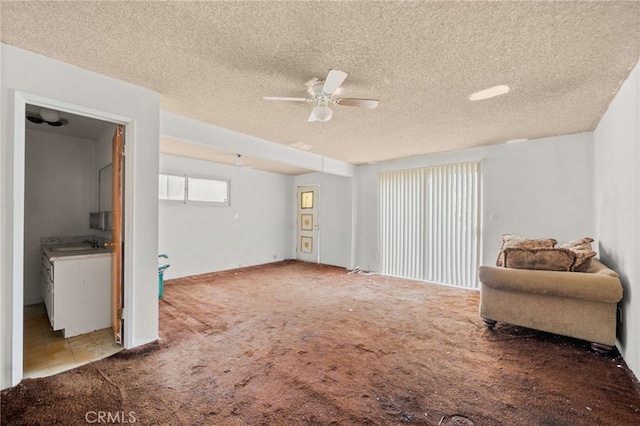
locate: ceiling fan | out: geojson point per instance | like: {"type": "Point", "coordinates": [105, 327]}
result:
{"type": "Point", "coordinates": [323, 93]}
{"type": "Point", "coordinates": [49, 116]}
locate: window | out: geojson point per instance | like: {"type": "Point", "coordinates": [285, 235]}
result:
{"type": "Point", "coordinates": [172, 187]}
{"type": "Point", "coordinates": [208, 190]}
{"type": "Point", "coordinates": [187, 189]}
{"type": "Point", "coordinates": [429, 223]}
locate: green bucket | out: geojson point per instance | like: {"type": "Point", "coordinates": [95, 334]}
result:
{"type": "Point", "coordinates": [161, 269]}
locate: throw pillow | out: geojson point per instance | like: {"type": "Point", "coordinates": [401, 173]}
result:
{"type": "Point", "coordinates": [515, 241]}
{"type": "Point", "coordinates": [584, 253]}
{"type": "Point", "coordinates": [581, 243]}
{"type": "Point", "coordinates": [541, 258]}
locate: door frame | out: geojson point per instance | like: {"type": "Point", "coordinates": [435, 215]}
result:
{"type": "Point", "coordinates": [20, 100]}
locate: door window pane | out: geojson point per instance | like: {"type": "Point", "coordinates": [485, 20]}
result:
{"type": "Point", "coordinates": [306, 200]}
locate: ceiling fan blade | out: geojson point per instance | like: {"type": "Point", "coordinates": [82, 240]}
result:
{"type": "Point", "coordinates": [333, 81]}
{"type": "Point", "coordinates": [284, 98]}
{"type": "Point", "coordinates": [364, 103]}
{"type": "Point", "coordinates": [34, 119]}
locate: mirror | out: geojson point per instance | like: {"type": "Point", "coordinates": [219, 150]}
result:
{"type": "Point", "coordinates": [104, 188]}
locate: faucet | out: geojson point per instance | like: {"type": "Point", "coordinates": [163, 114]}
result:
{"type": "Point", "coordinates": [93, 243]}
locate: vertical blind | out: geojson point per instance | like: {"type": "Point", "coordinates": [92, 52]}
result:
{"type": "Point", "coordinates": [429, 223]}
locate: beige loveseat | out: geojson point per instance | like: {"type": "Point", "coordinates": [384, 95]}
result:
{"type": "Point", "coordinates": [576, 304]}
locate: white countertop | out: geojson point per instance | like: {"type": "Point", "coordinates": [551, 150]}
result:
{"type": "Point", "coordinates": [75, 251]}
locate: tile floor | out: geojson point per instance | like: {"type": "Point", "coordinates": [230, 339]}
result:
{"type": "Point", "coordinates": [47, 352]}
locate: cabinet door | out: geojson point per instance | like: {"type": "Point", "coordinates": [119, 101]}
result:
{"type": "Point", "coordinates": [81, 292]}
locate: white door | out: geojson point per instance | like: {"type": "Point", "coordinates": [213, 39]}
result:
{"type": "Point", "coordinates": [307, 224]}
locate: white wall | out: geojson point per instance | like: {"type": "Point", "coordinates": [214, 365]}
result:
{"type": "Point", "coordinates": [43, 81]}
{"type": "Point", "coordinates": [335, 216]}
{"type": "Point", "coordinates": [254, 229]}
{"type": "Point", "coordinates": [617, 205]}
{"type": "Point", "coordinates": [60, 191]}
{"type": "Point", "coordinates": [538, 188]}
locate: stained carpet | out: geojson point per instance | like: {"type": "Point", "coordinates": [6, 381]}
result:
{"type": "Point", "coordinates": [293, 343]}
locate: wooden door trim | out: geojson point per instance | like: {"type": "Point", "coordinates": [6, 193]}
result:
{"type": "Point", "coordinates": [116, 234]}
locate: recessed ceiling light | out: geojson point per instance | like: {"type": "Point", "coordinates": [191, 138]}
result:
{"type": "Point", "coordinates": [489, 93]}
{"type": "Point", "coordinates": [516, 140]}
{"type": "Point", "coordinates": [301, 145]}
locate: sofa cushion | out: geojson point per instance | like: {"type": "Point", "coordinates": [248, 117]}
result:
{"type": "Point", "coordinates": [584, 253]}
{"type": "Point", "coordinates": [515, 241]}
{"type": "Point", "coordinates": [540, 258]}
{"type": "Point", "coordinates": [598, 268]}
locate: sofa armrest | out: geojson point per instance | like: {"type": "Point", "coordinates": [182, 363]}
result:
{"type": "Point", "coordinates": [599, 287]}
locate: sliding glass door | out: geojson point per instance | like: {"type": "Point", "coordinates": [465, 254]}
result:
{"type": "Point", "coordinates": [430, 223]}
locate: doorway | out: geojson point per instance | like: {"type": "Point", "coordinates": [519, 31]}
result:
{"type": "Point", "coordinates": [308, 228]}
{"type": "Point", "coordinates": [24, 288]}
{"type": "Point", "coordinates": [64, 155]}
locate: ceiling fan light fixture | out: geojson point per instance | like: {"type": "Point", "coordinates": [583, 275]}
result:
{"type": "Point", "coordinates": [324, 92]}
{"type": "Point", "coordinates": [321, 113]}
{"type": "Point", "coordinates": [34, 119]}
{"type": "Point", "coordinates": [49, 115]}
{"type": "Point", "coordinates": [491, 92]}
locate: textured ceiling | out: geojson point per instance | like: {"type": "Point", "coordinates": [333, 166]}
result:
{"type": "Point", "coordinates": [213, 61]}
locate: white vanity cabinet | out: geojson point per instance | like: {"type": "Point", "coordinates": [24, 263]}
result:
{"type": "Point", "coordinates": [76, 288]}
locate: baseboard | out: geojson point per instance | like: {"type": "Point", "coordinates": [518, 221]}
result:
{"type": "Point", "coordinates": [6, 378]}
{"type": "Point", "coordinates": [144, 342]}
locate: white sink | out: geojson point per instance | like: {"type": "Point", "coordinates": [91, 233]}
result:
{"type": "Point", "coordinates": [73, 248]}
